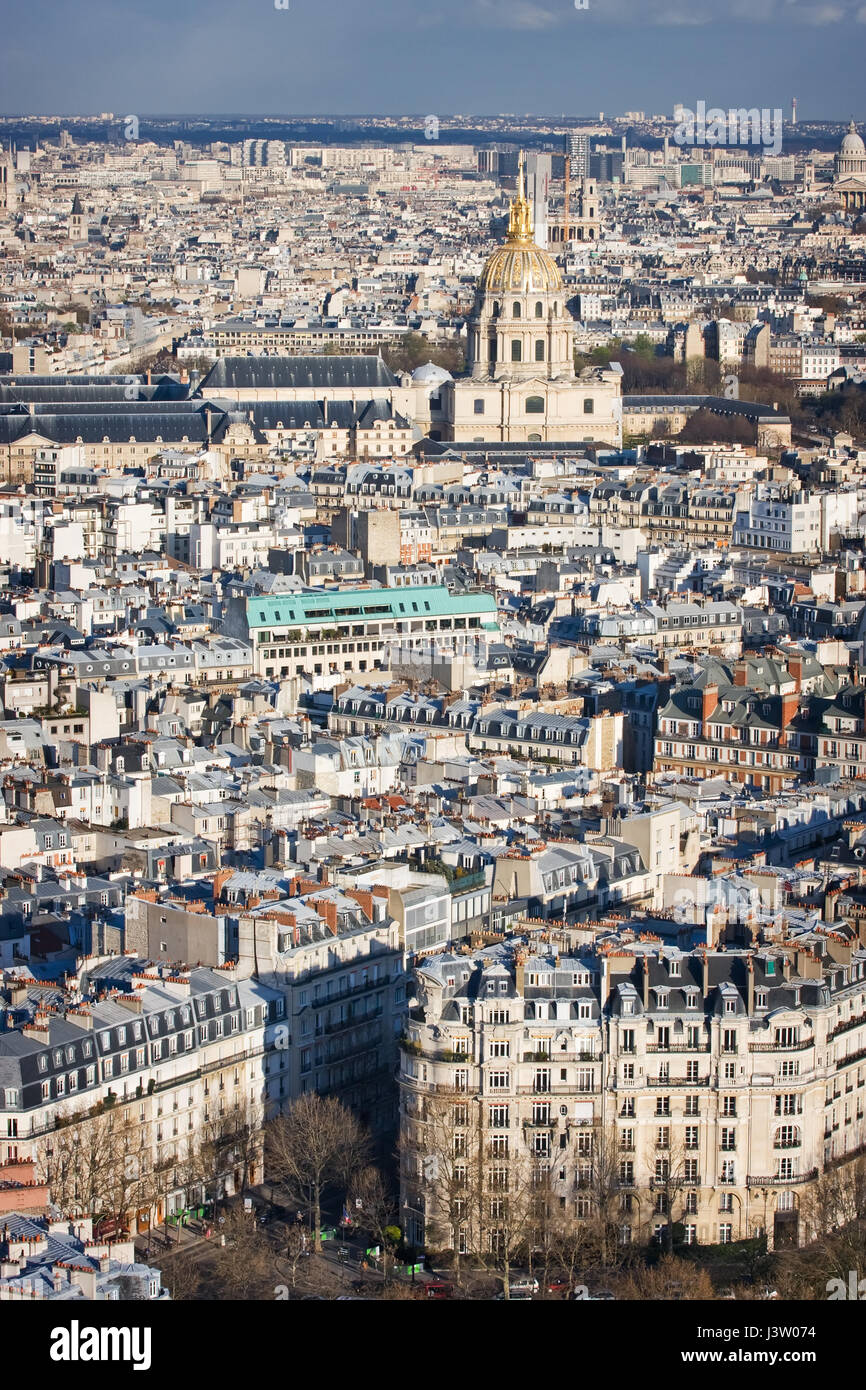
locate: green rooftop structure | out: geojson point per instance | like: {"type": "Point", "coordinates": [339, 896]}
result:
{"type": "Point", "coordinates": [352, 632]}
{"type": "Point", "coordinates": [369, 605]}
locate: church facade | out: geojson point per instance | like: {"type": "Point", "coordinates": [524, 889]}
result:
{"type": "Point", "coordinates": [850, 171]}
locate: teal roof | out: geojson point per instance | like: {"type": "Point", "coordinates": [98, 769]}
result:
{"type": "Point", "coordinates": [421, 601]}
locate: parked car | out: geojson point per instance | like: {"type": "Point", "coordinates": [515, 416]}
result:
{"type": "Point", "coordinates": [523, 1284]}
{"type": "Point", "coordinates": [439, 1289]}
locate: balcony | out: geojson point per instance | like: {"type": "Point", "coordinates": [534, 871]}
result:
{"type": "Point", "coordinates": [559, 1088]}
{"type": "Point", "coordinates": [678, 1081]}
{"type": "Point", "coordinates": [782, 1047]}
{"type": "Point", "coordinates": [678, 1047]}
{"type": "Point", "coordinates": [788, 1144]}
{"type": "Point", "coordinates": [846, 1025]}
{"type": "Point", "coordinates": [752, 1181]}
{"type": "Point", "coordinates": [345, 1023]}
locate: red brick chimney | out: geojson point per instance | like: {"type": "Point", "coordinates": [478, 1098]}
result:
{"type": "Point", "coordinates": [740, 673]}
{"type": "Point", "coordinates": [710, 701]}
{"type": "Point", "coordinates": [795, 671]}
{"type": "Point", "coordinates": [790, 705]}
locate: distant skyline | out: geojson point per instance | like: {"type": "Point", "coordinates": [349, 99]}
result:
{"type": "Point", "coordinates": [478, 57]}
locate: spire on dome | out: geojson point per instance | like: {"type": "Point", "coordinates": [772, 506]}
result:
{"type": "Point", "coordinates": [520, 218]}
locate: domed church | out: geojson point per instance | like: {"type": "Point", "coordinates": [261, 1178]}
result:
{"type": "Point", "coordinates": [521, 382]}
{"type": "Point", "coordinates": [850, 171]}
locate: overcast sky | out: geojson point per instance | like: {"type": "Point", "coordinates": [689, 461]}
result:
{"type": "Point", "coordinates": [430, 56]}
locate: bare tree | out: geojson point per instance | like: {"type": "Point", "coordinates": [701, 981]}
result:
{"type": "Point", "coordinates": [182, 1277]}
{"type": "Point", "coordinates": [230, 1149]}
{"type": "Point", "coordinates": [96, 1164]}
{"type": "Point", "coordinates": [244, 1269]}
{"type": "Point", "coordinates": [440, 1162]}
{"type": "Point", "coordinates": [315, 1145]}
{"type": "Point", "coordinates": [371, 1195]}
{"type": "Point", "coordinates": [671, 1279]}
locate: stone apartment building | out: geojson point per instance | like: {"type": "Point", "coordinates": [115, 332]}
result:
{"type": "Point", "coordinates": [743, 722]}
{"type": "Point", "coordinates": [706, 1088]}
{"type": "Point", "coordinates": [336, 960]}
{"type": "Point", "coordinates": [168, 1050]}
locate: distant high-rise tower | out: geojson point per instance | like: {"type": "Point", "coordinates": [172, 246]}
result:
{"type": "Point", "coordinates": [7, 182]}
{"type": "Point", "coordinates": [793, 110]}
{"type": "Point", "coordinates": [577, 150]}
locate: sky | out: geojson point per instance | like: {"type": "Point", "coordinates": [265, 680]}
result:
{"type": "Point", "coordinates": [442, 57]}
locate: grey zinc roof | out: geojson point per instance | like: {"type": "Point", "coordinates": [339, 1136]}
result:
{"type": "Point", "coordinates": [252, 373]}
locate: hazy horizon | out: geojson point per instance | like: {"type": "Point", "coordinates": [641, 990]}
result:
{"type": "Point", "coordinates": [478, 58]}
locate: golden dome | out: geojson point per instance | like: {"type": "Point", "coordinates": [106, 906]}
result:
{"type": "Point", "coordinates": [519, 266]}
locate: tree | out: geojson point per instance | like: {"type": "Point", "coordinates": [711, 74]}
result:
{"type": "Point", "coordinates": [230, 1145]}
{"type": "Point", "coordinates": [315, 1145]}
{"type": "Point", "coordinates": [96, 1164]}
{"type": "Point", "coordinates": [243, 1269]}
{"type": "Point", "coordinates": [442, 1134]}
{"type": "Point", "coordinates": [372, 1197]}
{"type": "Point", "coordinates": [182, 1276]}
{"type": "Point", "coordinates": [671, 1279]}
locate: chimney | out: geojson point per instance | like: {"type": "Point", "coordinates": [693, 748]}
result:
{"type": "Point", "coordinates": [750, 987]}
{"type": "Point", "coordinates": [795, 671]}
{"type": "Point", "coordinates": [790, 705]}
{"type": "Point", "coordinates": [520, 972]}
{"type": "Point", "coordinates": [710, 701]}
{"type": "Point", "coordinates": [740, 673]}
{"type": "Point", "coordinates": [646, 966]}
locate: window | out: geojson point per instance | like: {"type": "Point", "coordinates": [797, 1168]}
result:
{"type": "Point", "coordinates": [539, 349]}
{"type": "Point", "coordinates": [539, 309]}
{"type": "Point", "coordinates": [725, 1233]}
{"type": "Point", "coordinates": [589, 406]}
{"type": "Point", "coordinates": [479, 406]}
{"type": "Point", "coordinates": [535, 405]}
{"type": "Point", "coordinates": [499, 1080]}
{"type": "Point", "coordinates": [516, 350]}
{"type": "Point", "coordinates": [498, 1047]}
{"type": "Point", "coordinates": [498, 1117]}
{"type": "Point", "coordinates": [515, 310]}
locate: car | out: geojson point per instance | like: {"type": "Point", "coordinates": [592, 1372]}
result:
{"type": "Point", "coordinates": [439, 1289]}
{"type": "Point", "coordinates": [523, 1284]}
{"type": "Point", "coordinates": [559, 1285]}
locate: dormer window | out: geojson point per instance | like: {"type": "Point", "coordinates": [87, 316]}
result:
{"type": "Point", "coordinates": [674, 968]}
{"type": "Point", "coordinates": [730, 1006]}
{"type": "Point", "coordinates": [760, 999]}
{"type": "Point", "coordinates": [662, 998]}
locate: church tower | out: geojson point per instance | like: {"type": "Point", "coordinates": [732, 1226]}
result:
{"type": "Point", "coordinates": [521, 384]}
{"type": "Point", "coordinates": [520, 328]}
